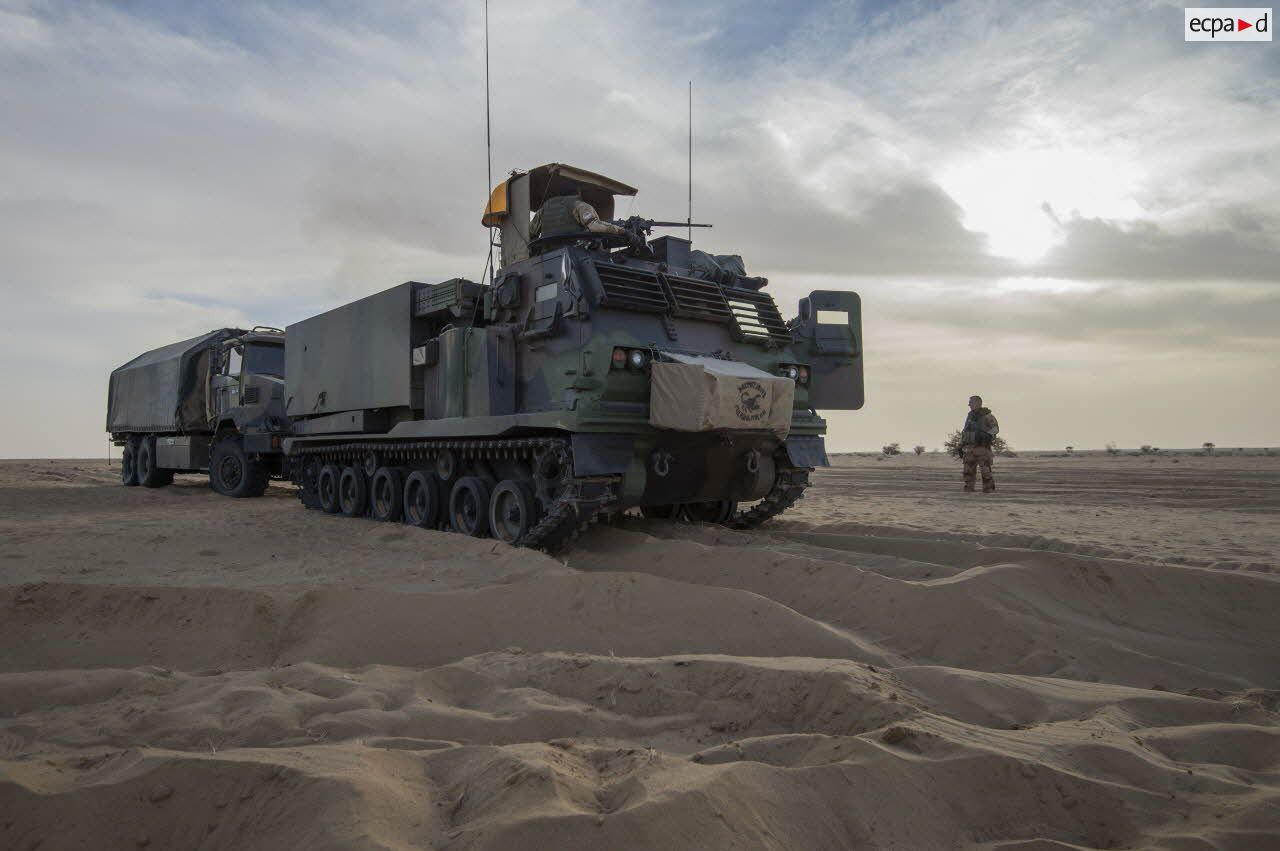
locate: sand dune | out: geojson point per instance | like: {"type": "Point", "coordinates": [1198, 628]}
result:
{"type": "Point", "coordinates": [832, 681]}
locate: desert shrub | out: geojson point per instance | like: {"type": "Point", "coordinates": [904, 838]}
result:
{"type": "Point", "coordinates": [1146, 449]}
{"type": "Point", "coordinates": [999, 445]}
{"type": "Point", "coordinates": [1112, 449]}
{"type": "Point", "coordinates": [1208, 447]}
{"type": "Point", "coordinates": [892, 449]}
{"type": "Point", "coordinates": [919, 450]}
{"type": "Point", "coordinates": [1071, 450]}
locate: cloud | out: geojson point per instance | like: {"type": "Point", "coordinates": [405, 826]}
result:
{"type": "Point", "coordinates": [168, 166]}
{"type": "Point", "coordinates": [1239, 249]}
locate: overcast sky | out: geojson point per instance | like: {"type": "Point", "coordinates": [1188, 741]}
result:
{"type": "Point", "coordinates": [1060, 206]}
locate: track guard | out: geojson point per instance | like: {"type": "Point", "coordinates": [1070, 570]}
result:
{"type": "Point", "coordinates": [830, 327]}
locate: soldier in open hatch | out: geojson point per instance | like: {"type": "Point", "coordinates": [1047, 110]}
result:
{"type": "Point", "coordinates": [565, 214]}
{"type": "Point", "coordinates": [980, 429]}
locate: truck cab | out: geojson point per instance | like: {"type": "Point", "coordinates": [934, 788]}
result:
{"type": "Point", "coordinates": [214, 403]}
{"type": "Point", "coordinates": [246, 390]}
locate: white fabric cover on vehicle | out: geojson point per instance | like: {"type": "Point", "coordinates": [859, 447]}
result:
{"type": "Point", "coordinates": [703, 394]}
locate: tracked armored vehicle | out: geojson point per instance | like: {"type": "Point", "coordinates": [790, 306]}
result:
{"type": "Point", "coordinates": [597, 372]}
{"type": "Point", "coordinates": [213, 403]}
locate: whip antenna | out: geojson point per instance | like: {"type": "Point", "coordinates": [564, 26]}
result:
{"type": "Point", "coordinates": [488, 137]}
{"type": "Point", "coordinates": [689, 221]}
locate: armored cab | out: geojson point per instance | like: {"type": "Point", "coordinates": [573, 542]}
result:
{"type": "Point", "coordinates": [597, 371]}
{"type": "Point", "coordinates": [213, 403]}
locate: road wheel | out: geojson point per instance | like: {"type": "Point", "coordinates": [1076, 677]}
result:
{"type": "Point", "coordinates": [149, 476]}
{"type": "Point", "coordinates": [386, 494]}
{"type": "Point", "coordinates": [447, 466]}
{"type": "Point", "coordinates": [129, 464]}
{"type": "Point", "coordinates": [353, 492]}
{"type": "Point", "coordinates": [232, 473]}
{"type": "Point", "coordinates": [422, 499]}
{"type": "Point", "coordinates": [513, 511]}
{"type": "Point", "coordinates": [718, 511]}
{"type": "Point", "coordinates": [469, 506]}
{"type": "Point", "coordinates": [328, 487]}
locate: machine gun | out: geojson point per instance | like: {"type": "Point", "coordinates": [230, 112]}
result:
{"type": "Point", "coordinates": [644, 227]}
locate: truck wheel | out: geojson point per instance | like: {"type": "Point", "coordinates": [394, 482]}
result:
{"type": "Point", "coordinates": [353, 492]}
{"type": "Point", "coordinates": [386, 495]}
{"type": "Point", "coordinates": [129, 464]}
{"type": "Point", "coordinates": [469, 506]}
{"type": "Point", "coordinates": [421, 499]}
{"type": "Point", "coordinates": [149, 476]}
{"type": "Point", "coordinates": [328, 488]}
{"type": "Point", "coordinates": [231, 473]}
{"type": "Point", "coordinates": [513, 511]}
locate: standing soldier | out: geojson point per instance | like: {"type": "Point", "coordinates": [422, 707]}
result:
{"type": "Point", "coordinates": [980, 429]}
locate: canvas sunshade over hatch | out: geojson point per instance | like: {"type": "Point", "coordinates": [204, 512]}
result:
{"type": "Point", "coordinates": [693, 393]}
{"type": "Point", "coordinates": [497, 208]}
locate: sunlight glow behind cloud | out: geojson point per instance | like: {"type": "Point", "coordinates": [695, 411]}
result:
{"type": "Point", "coordinates": [1016, 196]}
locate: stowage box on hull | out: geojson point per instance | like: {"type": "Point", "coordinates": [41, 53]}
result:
{"type": "Point", "coordinates": [355, 357]}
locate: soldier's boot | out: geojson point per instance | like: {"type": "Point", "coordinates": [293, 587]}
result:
{"type": "Point", "coordinates": [968, 485]}
{"type": "Point", "coordinates": [988, 485]}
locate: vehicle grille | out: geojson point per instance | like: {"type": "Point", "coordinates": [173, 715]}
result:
{"type": "Point", "coordinates": [751, 314]}
{"type": "Point", "coordinates": [698, 299]}
{"type": "Point", "coordinates": [633, 289]}
{"type": "Point", "coordinates": [756, 316]}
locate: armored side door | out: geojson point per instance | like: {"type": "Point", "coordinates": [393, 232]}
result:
{"type": "Point", "coordinates": [476, 373]}
{"type": "Point", "coordinates": [830, 332]}
{"type": "Point", "coordinates": [491, 371]}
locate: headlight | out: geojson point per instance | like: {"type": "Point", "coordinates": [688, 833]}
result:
{"type": "Point", "coordinates": [791, 372]}
{"type": "Point", "coordinates": [634, 359]}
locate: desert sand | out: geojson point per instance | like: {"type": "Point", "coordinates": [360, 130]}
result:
{"type": "Point", "coordinates": [1088, 658]}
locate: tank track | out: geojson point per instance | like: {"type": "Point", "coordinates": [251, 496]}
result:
{"type": "Point", "coordinates": [575, 505]}
{"type": "Point", "coordinates": [788, 488]}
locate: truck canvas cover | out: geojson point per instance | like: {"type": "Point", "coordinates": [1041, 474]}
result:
{"type": "Point", "coordinates": [693, 393]}
{"type": "Point", "coordinates": [163, 389]}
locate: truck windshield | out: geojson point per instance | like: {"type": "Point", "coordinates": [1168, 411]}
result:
{"type": "Point", "coordinates": [264, 360]}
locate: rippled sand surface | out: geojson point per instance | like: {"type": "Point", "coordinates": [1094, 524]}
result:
{"type": "Point", "coordinates": [1088, 658]}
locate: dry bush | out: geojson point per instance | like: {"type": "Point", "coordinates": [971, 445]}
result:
{"type": "Point", "coordinates": [999, 446]}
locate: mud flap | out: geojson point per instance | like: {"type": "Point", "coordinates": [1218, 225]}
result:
{"type": "Point", "coordinates": [602, 454]}
{"type": "Point", "coordinates": [830, 333]}
{"type": "Point", "coordinates": [807, 451]}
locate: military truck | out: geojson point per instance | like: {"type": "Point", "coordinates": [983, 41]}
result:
{"type": "Point", "coordinates": [214, 403]}
{"type": "Point", "coordinates": [596, 372]}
